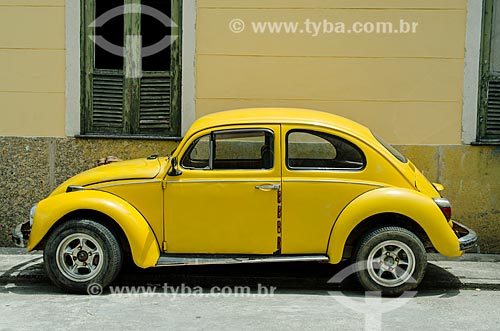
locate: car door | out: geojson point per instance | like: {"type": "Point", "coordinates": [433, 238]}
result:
{"type": "Point", "coordinates": [225, 200]}
{"type": "Point", "coordinates": [323, 171]}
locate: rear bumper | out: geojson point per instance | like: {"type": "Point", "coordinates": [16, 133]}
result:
{"type": "Point", "coordinates": [466, 237]}
{"type": "Point", "coordinates": [21, 234]}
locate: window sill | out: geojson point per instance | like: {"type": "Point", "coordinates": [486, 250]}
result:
{"type": "Point", "coordinates": [132, 137]}
{"type": "Point", "coordinates": [485, 143]}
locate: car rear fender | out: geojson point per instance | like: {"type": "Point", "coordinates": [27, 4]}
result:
{"type": "Point", "coordinates": [412, 204]}
{"type": "Point", "coordinates": [143, 243]}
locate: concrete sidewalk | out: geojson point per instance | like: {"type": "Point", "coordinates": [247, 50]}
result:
{"type": "Point", "coordinates": [471, 271]}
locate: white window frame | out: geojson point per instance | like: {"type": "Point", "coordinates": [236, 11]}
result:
{"type": "Point", "coordinates": [472, 58]}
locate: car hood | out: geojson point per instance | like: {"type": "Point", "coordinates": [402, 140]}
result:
{"type": "Point", "coordinates": [133, 169]}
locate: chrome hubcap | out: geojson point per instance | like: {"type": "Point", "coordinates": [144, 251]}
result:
{"type": "Point", "coordinates": [79, 257]}
{"type": "Point", "coordinates": [391, 263]}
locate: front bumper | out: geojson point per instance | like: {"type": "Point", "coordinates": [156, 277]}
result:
{"type": "Point", "coordinates": [466, 237]}
{"type": "Point", "coordinates": [21, 234]}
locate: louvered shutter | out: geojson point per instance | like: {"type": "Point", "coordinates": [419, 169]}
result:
{"type": "Point", "coordinates": [155, 104]}
{"type": "Point", "coordinates": [152, 108]}
{"type": "Point", "coordinates": [489, 106]}
{"type": "Point", "coordinates": [107, 103]}
{"type": "Point", "coordinates": [493, 108]}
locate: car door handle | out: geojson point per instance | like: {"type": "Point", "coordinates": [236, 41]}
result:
{"type": "Point", "coordinates": [268, 187]}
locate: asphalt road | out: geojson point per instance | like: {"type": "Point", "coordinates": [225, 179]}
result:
{"type": "Point", "coordinates": [43, 307]}
{"type": "Point", "coordinates": [306, 275]}
{"type": "Point", "coordinates": [296, 296]}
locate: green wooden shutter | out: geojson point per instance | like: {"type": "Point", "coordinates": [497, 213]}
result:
{"type": "Point", "coordinates": [154, 106]}
{"type": "Point", "coordinates": [489, 106]}
{"type": "Point", "coordinates": [107, 103]}
{"type": "Point", "coordinates": [492, 116]}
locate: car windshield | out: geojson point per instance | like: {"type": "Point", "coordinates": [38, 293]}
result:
{"type": "Point", "coordinates": [391, 149]}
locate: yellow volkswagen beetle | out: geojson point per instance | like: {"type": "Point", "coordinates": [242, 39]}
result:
{"type": "Point", "coordinates": [252, 185]}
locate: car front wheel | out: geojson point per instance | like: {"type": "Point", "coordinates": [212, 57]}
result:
{"type": "Point", "coordinates": [391, 260]}
{"type": "Point", "coordinates": [81, 253]}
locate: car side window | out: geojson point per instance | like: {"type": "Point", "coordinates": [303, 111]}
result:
{"type": "Point", "coordinates": [243, 149]}
{"type": "Point", "coordinates": [198, 154]}
{"type": "Point", "coordinates": [231, 149]}
{"type": "Point", "coordinates": [310, 150]}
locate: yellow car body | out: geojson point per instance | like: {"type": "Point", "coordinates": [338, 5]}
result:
{"type": "Point", "coordinates": [192, 203]}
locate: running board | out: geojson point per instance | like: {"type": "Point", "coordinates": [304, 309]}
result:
{"type": "Point", "coordinates": [171, 260]}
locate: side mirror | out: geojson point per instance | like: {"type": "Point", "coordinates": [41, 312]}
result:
{"type": "Point", "coordinates": [174, 170]}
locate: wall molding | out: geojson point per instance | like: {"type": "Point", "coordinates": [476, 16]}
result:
{"type": "Point", "coordinates": [470, 98]}
{"type": "Point", "coordinates": [188, 91]}
{"type": "Point", "coordinates": [72, 31]}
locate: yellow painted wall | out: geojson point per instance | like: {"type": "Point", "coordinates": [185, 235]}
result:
{"type": "Point", "coordinates": [32, 68]}
{"type": "Point", "coordinates": [407, 87]}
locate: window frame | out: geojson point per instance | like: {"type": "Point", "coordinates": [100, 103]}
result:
{"type": "Point", "coordinates": [397, 154]}
{"type": "Point", "coordinates": [212, 146]}
{"type": "Point", "coordinates": [486, 76]}
{"type": "Point", "coordinates": [190, 149]}
{"type": "Point", "coordinates": [323, 169]}
{"type": "Point", "coordinates": [131, 116]}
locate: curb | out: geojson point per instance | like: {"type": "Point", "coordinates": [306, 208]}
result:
{"type": "Point", "coordinates": [19, 266]}
{"type": "Point", "coordinates": [468, 257]}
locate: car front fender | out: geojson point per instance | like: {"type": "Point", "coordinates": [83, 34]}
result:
{"type": "Point", "coordinates": [414, 205]}
{"type": "Point", "coordinates": [142, 241]}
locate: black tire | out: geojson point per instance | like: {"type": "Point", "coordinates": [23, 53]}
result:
{"type": "Point", "coordinates": [402, 267]}
{"type": "Point", "coordinates": [82, 256]}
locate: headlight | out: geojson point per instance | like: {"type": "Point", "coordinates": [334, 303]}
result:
{"type": "Point", "coordinates": [32, 213]}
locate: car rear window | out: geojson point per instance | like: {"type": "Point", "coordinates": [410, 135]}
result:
{"type": "Point", "coordinates": [391, 149]}
{"type": "Point", "coordinates": [311, 150]}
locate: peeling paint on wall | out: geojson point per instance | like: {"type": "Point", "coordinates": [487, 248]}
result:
{"type": "Point", "coordinates": [31, 167]}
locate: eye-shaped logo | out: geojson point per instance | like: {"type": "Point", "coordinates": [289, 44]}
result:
{"type": "Point", "coordinates": [372, 305]}
{"type": "Point", "coordinates": [132, 41]}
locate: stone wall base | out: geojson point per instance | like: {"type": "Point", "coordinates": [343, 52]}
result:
{"type": "Point", "coordinates": [30, 168]}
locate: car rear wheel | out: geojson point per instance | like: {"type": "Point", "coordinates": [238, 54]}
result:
{"type": "Point", "coordinates": [82, 253]}
{"type": "Point", "coordinates": [391, 260]}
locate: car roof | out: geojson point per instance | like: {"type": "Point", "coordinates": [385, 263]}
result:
{"type": "Point", "coordinates": [279, 116]}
